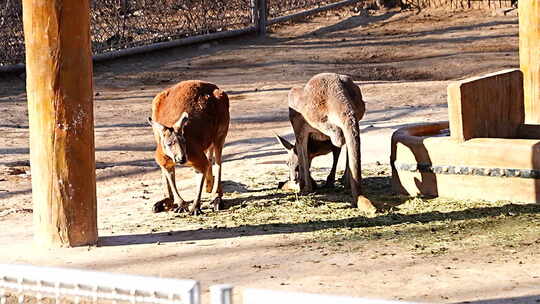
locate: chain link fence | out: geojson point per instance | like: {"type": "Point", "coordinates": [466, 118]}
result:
{"type": "Point", "coordinates": [127, 24]}
{"type": "Point", "coordinates": [122, 24]}
{"type": "Point", "coordinates": [280, 8]}
{"type": "Point", "coordinates": [460, 4]}
{"type": "Point", "coordinates": [118, 24]}
{"type": "Point", "coordinates": [11, 32]}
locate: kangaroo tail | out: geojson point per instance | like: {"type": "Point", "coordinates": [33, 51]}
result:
{"type": "Point", "coordinates": [351, 132]}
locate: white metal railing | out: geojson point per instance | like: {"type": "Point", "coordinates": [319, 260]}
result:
{"type": "Point", "coordinates": [56, 283]}
{"type": "Point", "coordinates": [59, 284]}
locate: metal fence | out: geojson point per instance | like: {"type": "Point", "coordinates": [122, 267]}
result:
{"type": "Point", "coordinates": [126, 24]}
{"type": "Point", "coordinates": [461, 4]}
{"type": "Point", "coordinates": [129, 23]}
{"type": "Point", "coordinates": [36, 284]}
{"type": "Point", "coordinates": [11, 32]}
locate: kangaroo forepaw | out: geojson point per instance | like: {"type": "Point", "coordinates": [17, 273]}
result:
{"type": "Point", "coordinates": [165, 204]}
{"type": "Point", "coordinates": [158, 207]}
{"type": "Point", "coordinates": [179, 210]}
{"type": "Point", "coordinates": [182, 207]}
{"type": "Point", "coordinates": [196, 211]}
{"type": "Point", "coordinates": [216, 203]}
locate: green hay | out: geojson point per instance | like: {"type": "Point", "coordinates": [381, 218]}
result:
{"type": "Point", "coordinates": [430, 226]}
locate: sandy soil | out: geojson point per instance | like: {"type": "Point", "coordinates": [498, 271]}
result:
{"type": "Point", "coordinates": [402, 61]}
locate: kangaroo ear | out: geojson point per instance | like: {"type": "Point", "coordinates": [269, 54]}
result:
{"type": "Point", "coordinates": [181, 123]}
{"type": "Point", "coordinates": [155, 124]}
{"type": "Point", "coordinates": [157, 127]}
{"type": "Point", "coordinates": [285, 143]}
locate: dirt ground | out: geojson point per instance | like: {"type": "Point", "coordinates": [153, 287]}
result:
{"type": "Point", "coordinates": [428, 251]}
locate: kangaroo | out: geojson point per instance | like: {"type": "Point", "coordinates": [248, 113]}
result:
{"type": "Point", "coordinates": [327, 110]}
{"type": "Point", "coordinates": [315, 148]}
{"type": "Point", "coordinates": [190, 122]}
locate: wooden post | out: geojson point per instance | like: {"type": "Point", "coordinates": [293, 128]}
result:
{"type": "Point", "coordinates": [255, 14]}
{"type": "Point", "coordinates": [263, 17]}
{"type": "Point", "coordinates": [529, 57]}
{"type": "Point", "coordinates": [60, 110]}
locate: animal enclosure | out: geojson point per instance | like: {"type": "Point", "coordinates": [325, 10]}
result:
{"type": "Point", "coordinates": [272, 239]}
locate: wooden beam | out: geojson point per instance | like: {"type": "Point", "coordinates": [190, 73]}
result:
{"type": "Point", "coordinates": [489, 106]}
{"type": "Point", "coordinates": [60, 109]}
{"type": "Point", "coordinates": [529, 56]}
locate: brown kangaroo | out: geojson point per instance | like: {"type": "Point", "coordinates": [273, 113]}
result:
{"type": "Point", "coordinates": [190, 122]}
{"type": "Point", "coordinates": [315, 148]}
{"type": "Point", "coordinates": [327, 110]}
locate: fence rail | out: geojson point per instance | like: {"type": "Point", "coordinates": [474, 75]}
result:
{"type": "Point", "coordinates": [124, 27]}
{"type": "Point", "coordinates": [35, 284]}
{"type": "Point", "coordinates": [26, 281]}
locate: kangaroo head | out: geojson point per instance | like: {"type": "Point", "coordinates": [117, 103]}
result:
{"type": "Point", "coordinates": [292, 159]}
{"type": "Point", "coordinates": [173, 141]}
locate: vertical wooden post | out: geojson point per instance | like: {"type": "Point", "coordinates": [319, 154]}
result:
{"type": "Point", "coordinates": [60, 109]}
{"type": "Point", "coordinates": [529, 57]}
{"type": "Point", "coordinates": [263, 17]}
{"type": "Point", "coordinates": [255, 14]}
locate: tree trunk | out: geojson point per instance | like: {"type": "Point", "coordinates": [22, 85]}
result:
{"type": "Point", "coordinates": [60, 109]}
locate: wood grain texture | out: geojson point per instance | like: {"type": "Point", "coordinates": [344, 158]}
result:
{"type": "Point", "coordinates": [60, 108]}
{"type": "Point", "coordinates": [489, 106]}
{"type": "Point", "coordinates": [529, 57]}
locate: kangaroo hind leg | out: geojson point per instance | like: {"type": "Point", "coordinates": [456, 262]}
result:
{"type": "Point", "coordinates": [217, 190]}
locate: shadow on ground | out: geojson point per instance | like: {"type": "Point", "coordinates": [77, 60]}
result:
{"type": "Point", "coordinates": [378, 188]}
{"type": "Point", "coordinates": [390, 219]}
{"type": "Point", "coordinates": [523, 300]}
